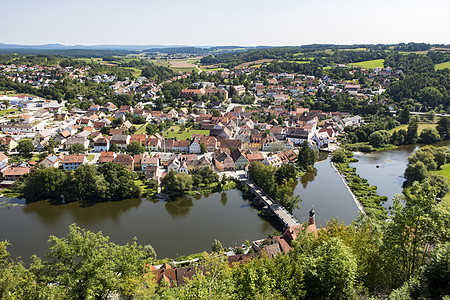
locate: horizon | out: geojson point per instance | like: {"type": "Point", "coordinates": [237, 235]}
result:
{"type": "Point", "coordinates": [239, 23]}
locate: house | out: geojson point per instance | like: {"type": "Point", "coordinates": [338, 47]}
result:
{"type": "Point", "coordinates": [141, 138]}
{"type": "Point", "coordinates": [153, 144]}
{"type": "Point", "coordinates": [106, 157]}
{"type": "Point", "coordinates": [121, 140]}
{"type": "Point", "coordinates": [7, 144]}
{"type": "Point", "coordinates": [101, 144]}
{"type": "Point", "coordinates": [125, 160]}
{"type": "Point", "coordinates": [321, 139]}
{"type": "Point", "coordinates": [210, 142]}
{"type": "Point", "coordinates": [224, 162]}
{"type": "Point", "coordinates": [194, 147]}
{"type": "Point", "coordinates": [240, 161]}
{"type": "Point", "coordinates": [76, 140]}
{"type": "Point", "coordinates": [18, 128]}
{"type": "Point", "coordinates": [298, 135]}
{"type": "Point", "coordinates": [181, 146]}
{"type": "Point", "coordinates": [51, 161]}
{"type": "Point", "coordinates": [167, 274]}
{"type": "Point", "coordinates": [149, 162]}
{"type": "Point", "coordinates": [13, 173]}
{"type": "Point", "coordinates": [73, 161]}
{"type": "Point", "coordinates": [273, 161]}
{"type": "Point", "coordinates": [174, 165]}
{"type": "Point", "coordinates": [267, 142]}
{"type": "Point", "coordinates": [3, 158]}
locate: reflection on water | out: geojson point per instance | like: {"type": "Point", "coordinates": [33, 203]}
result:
{"type": "Point", "coordinates": [308, 177]}
{"type": "Point", "coordinates": [180, 227]}
{"type": "Point", "coordinates": [324, 189]}
{"type": "Point", "coordinates": [179, 207]}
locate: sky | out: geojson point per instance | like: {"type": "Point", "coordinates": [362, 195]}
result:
{"type": "Point", "coordinates": [231, 22]}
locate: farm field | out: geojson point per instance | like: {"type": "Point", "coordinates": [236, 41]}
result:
{"type": "Point", "coordinates": [370, 64]}
{"type": "Point", "coordinates": [442, 66]}
{"type": "Point", "coordinates": [256, 62]}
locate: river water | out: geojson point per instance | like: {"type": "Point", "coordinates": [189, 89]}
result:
{"type": "Point", "coordinates": [388, 176]}
{"type": "Point", "coordinates": [190, 224]}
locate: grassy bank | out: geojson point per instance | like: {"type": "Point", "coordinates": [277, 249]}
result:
{"type": "Point", "coordinates": [360, 187]}
{"type": "Point", "coordinates": [445, 171]}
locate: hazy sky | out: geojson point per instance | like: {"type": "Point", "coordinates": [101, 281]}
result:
{"type": "Point", "coordinates": [231, 22]}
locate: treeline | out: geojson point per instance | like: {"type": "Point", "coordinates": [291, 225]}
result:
{"type": "Point", "coordinates": [423, 161]}
{"type": "Point", "coordinates": [79, 53]}
{"type": "Point", "coordinates": [293, 67]}
{"type": "Point", "coordinates": [88, 183]}
{"type": "Point", "coordinates": [405, 258]}
{"type": "Point", "coordinates": [277, 183]}
{"type": "Point", "coordinates": [179, 183]}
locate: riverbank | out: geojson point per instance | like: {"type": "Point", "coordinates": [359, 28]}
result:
{"type": "Point", "coordinates": [360, 188]}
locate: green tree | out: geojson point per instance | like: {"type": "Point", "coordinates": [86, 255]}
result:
{"type": "Point", "coordinates": [149, 253]}
{"type": "Point", "coordinates": [88, 265]}
{"type": "Point", "coordinates": [431, 115]}
{"type": "Point", "coordinates": [114, 148]}
{"type": "Point", "coordinates": [120, 182]}
{"type": "Point", "coordinates": [90, 185]}
{"type": "Point", "coordinates": [412, 133]}
{"type": "Point", "coordinates": [25, 146]}
{"type": "Point", "coordinates": [177, 182]}
{"type": "Point", "coordinates": [443, 128]}
{"type": "Point", "coordinates": [135, 148]}
{"type": "Point", "coordinates": [339, 156]}
{"type": "Point", "coordinates": [436, 273]}
{"type": "Point", "coordinates": [416, 172]}
{"type": "Point", "coordinates": [77, 148]}
{"type": "Point", "coordinates": [429, 136]}
{"type": "Point", "coordinates": [404, 115]}
{"type": "Point", "coordinates": [216, 246]}
{"type": "Point", "coordinates": [306, 156]}
{"type": "Point", "coordinates": [203, 148]}
{"type": "Point", "coordinates": [330, 271]}
{"type": "Point", "coordinates": [285, 172]}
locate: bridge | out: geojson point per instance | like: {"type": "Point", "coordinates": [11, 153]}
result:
{"type": "Point", "coordinates": [275, 209]}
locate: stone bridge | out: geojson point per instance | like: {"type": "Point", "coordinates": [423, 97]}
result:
{"type": "Point", "coordinates": [273, 208]}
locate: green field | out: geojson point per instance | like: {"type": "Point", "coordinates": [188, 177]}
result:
{"type": "Point", "coordinates": [421, 127]}
{"type": "Point", "coordinates": [141, 129]}
{"type": "Point", "coordinates": [370, 64]}
{"type": "Point", "coordinates": [445, 171]}
{"type": "Point", "coordinates": [7, 111]}
{"type": "Point", "coordinates": [187, 134]}
{"type": "Point", "coordinates": [442, 66]}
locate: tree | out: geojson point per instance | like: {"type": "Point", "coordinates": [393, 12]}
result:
{"type": "Point", "coordinates": [114, 148]}
{"type": "Point", "coordinates": [376, 139]}
{"type": "Point", "coordinates": [416, 172]}
{"type": "Point", "coordinates": [120, 182]}
{"type": "Point", "coordinates": [306, 156]}
{"type": "Point", "coordinates": [138, 119]}
{"type": "Point", "coordinates": [203, 148]}
{"type": "Point", "coordinates": [286, 171]}
{"type": "Point", "coordinates": [149, 253]}
{"type": "Point", "coordinates": [429, 136]}
{"type": "Point", "coordinates": [90, 185]}
{"type": "Point", "coordinates": [216, 246]}
{"type": "Point", "coordinates": [443, 128]}
{"type": "Point", "coordinates": [88, 265]}
{"type": "Point", "coordinates": [77, 148]}
{"type": "Point", "coordinates": [25, 146]}
{"type": "Point", "coordinates": [404, 115]}
{"type": "Point", "coordinates": [431, 115]}
{"type": "Point", "coordinates": [436, 273]}
{"type": "Point", "coordinates": [339, 156]}
{"type": "Point", "coordinates": [276, 147]}
{"type": "Point", "coordinates": [412, 133]}
{"type": "Point", "coordinates": [330, 271]}
{"type": "Point", "coordinates": [135, 148]}
{"type": "Point", "coordinates": [105, 130]}
{"type": "Point", "coordinates": [151, 129]}
{"type": "Point", "coordinates": [177, 182]}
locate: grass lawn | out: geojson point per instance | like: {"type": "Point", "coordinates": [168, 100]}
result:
{"type": "Point", "coordinates": [442, 66]}
{"type": "Point", "coordinates": [35, 158]}
{"type": "Point", "coordinates": [445, 171]}
{"type": "Point", "coordinates": [370, 64]}
{"type": "Point", "coordinates": [421, 127]}
{"type": "Point", "coordinates": [182, 135]}
{"type": "Point", "coordinates": [90, 157]}
{"type": "Point", "coordinates": [7, 111]}
{"type": "Point", "coordinates": [141, 129]}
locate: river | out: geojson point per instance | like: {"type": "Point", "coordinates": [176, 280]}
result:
{"type": "Point", "coordinates": [190, 224]}
{"type": "Point", "coordinates": [388, 176]}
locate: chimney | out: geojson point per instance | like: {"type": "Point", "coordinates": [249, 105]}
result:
{"type": "Point", "coordinates": [312, 216]}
